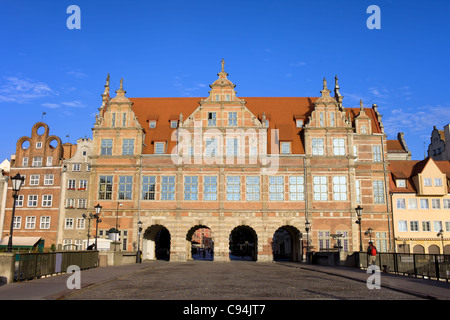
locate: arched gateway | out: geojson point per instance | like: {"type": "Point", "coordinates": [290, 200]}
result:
{"type": "Point", "coordinates": [286, 244]}
{"type": "Point", "coordinates": [156, 243]}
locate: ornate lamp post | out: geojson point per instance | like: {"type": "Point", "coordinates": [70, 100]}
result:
{"type": "Point", "coordinates": [89, 226]}
{"type": "Point", "coordinates": [359, 211]}
{"type": "Point", "coordinates": [117, 226]}
{"type": "Point", "coordinates": [307, 228]}
{"type": "Point", "coordinates": [138, 254]}
{"type": "Point", "coordinates": [98, 209]}
{"type": "Point", "coordinates": [369, 232]}
{"type": "Point", "coordinates": [16, 182]}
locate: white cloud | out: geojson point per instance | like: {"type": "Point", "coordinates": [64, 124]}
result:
{"type": "Point", "coordinates": [297, 64]}
{"type": "Point", "coordinates": [51, 105]}
{"type": "Point", "coordinates": [23, 90]}
{"type": "Point", "coordinates": [74, 104]}
{"type": "Point", "coordinates": [77, 74]}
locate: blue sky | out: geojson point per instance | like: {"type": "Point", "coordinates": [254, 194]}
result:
{"type": "Point", "coordinates": [174, 49]}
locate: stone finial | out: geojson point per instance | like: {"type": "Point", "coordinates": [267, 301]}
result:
{"type": "Point", "coordinates": [325, 92]}
{"type": "Point", "coordinates": [223, 65]}
{"type": "Point", "coordinates": [121, 90]}
{"type": "Point", "coordinates": [361, 106]}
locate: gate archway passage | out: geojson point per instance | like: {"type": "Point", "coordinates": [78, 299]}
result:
{"type": "Point", "coordinates": [200, 244]}
{"type": "Point", "coordinates": [286, 244]}
{"type": "Point", "coordinates": [156, 243]}
{"type": "Point", "coordinates": [243, 244]}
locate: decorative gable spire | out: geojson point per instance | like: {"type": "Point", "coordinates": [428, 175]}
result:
{"type": "Point", "coordinates": [337, 94]}
{"type": "Point", "coordinates": [121, 90]}
{"type": "Point", "coordinates": [325, 92]}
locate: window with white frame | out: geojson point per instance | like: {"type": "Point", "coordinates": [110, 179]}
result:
{"type": "Point", "coordinates": [168, 188]}
{"type": "Point", "coordinates": [159, 147]}
{"type": "Point", "coordinates": [70, 203]}
{"type": "Point", "coordinates": [32, 200]}
{"type": "Point", "coordinates": [233, 188]}
{"type": "Point", "coordinates": [34, 180]}
{"type": "Point", "coordinates": [320, 188]}
{"type": "Point", "coordinates": [82, 184]}
{"type": "Point", "coordinates": [80, 223]}
{"type": "Point", "coordinates": [25, 162]}
{"type": "Point", "coordinates": [355, 152]}
{"type": "Point", "coordinates": [344, 240]}
{"type": "Point", "coordinates": [210, 188]}
{"type": "Point", "coordinates": [106, 147]}
{"type": "Point", "coordinates": [414, 226]}
{"type": "Point", "coordinates": [285, 147]}
{"type": "Point", "coordinates": [296, 188]}
{"type": "Point", "coordinates": [71, 184]}
{"type": "Point", "coordinates": [332, 122]}
{"type": "Point", "coordinates": [211, 119]}
{"type": "Point", "coordinates": [76, 167]}
{"type": "Point", "coordinates": [125, 187]}
{"type": "Point", "coordinates": [412, 203]}
{"type": "Point", "coordinates": [402, 226]}
{"type": "Point", "coordinates": [321, 120]}
{"type": "Point", "coordinates": [82, 203]}
{"type": "Point", "coordinates": [324, 239]}
{"type": "Point", "coordinates": [232, 146]}
{"type": "Point", "coordinates": [401, 203]}
{"type": "Point", "coordinates": [381, 241]}
{"type": "Point", "coordinates": [113, 120]}
{"type": "Point", "coordinates": [358, 191]}
{"type": "Point", "coordinates": [424, 204]}
{"type": "Point", "coordinates": [148, 187]}
{"type": "Point", "coordinates": [17, 224]}
{"type": "Point", "coordinates": [124, 119]}
{"type": "Point", "coordinates": [438, 182]}
{"type": "Point", "coordinates": [127, 147]}
{"type": "Point", "coordinates": [401, 183]}
{"type": "Point", "coordinates": [37, 162]}
{"type": "Point", "coordinates": [78, 244]}
{"type": "Point", "coordinates": [437, 226]}
{"type": "Point", "coordinates": [30, 223]}
{"type": "Point", "coordinates": [427, 182]}
{"type": "Point", "coordinates": [173, 124]}
{"type": "Point", "coordinates": [190, 187]}
{"type": "Point", "coordinates": [317, 146]}
{"type": "Point", "coordinates": [340, 188]}
{"type": "Point", "coordinates": [252, 188]}
{"type": "Point", "coordinates": [436, 204]}
{"type": "Point", "coordinates": [446, 203]}
{"type": "Point", "coordinates": [299, 123]}
{"type": "Point", "coordinates": [211, 147]}
{"type": "Point", "coordinates": [232, 119]}
{"type": "Point", "coordinates": [49, 161]}
{"type": "Point", "coordinates": [45, 222]}
{"type": "Point", "coordinates": [68, 223]}
{"type": "Point", "coordinates": [376, 153]}
{"type": "Point", "coordinates": [426, 226]}
{"type": "Point", "coordinates": [48, 179]}
{"type": "Point", "coordinates": [152, 124]}
{"type": "Point", "coordinates": [19, 200]}
{"type": "Point", "coordinates": [47, 200]}
{"type": "Point", "coordinates": [378, 191]}
{"type": "Point", "coordinates": [105, 187]}
{"type": "Point", "coordinates": [276, 188]}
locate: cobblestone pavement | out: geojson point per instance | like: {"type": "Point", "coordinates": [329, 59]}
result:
{"type": "Point", "coordinates": [200, 280]}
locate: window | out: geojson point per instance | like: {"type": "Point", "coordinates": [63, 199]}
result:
{"type": "Point", "coordinates": [88, 167]}
{"type": "Point", "coordinates": [168, 188]}
{"type": "Point", "coordinates": [412, 203]}
{"type": "Point", "coordinates": [37, 162]}
{"type": "Point", "coordinates": [82, 203]}
{"type": "Point", "coordinates": [78, 244]}
{"type": "Point", "coordinates": [299, 123]}
{"type": "Point", "coordinates": [402, 226]}
{"type": "Point", "coordinates": [32, 200]}
{"type": "Point", "coordinates": [381, 241]}
{"type": "Point", "coordinates": [317, 146]}
{"type": "Point", "coordinates": [47, 200]}
{"type": "Point", "coordinates": [113, 120]}
{"type": "Point", "coordinates": [437, 182]}
{"type": "Point", "coordinates": [232, 146]}
{"type": "Point", "coordinates": [159, 147]}
{"type": "Point", "coordinates": [49, 161]}
{"type": "Point", "coordinates": [17, 222]}
{"type": "Point", "coordinates": [401, 183]}
{"type": "Point", "coordinates": [427, 182]}
{"type": "Point", "coordinates": [82, 185]}
{"type": "Point", "coordinates": [227, 97]}
{"type": "Point", "coordinates": [446, 203]}
{"type": "Point", "coordinates": [426, 226]}
{"type": "Point", "coordinates": [252, 188]}
{"type": "Point", "coordinates": [437, 226]}
{"type": "Point", "coordinates": [424, 204]}
{"type": "Point", "coordinates": [152, 124]}
{"type": "Point", "coordinates": [211, 118]}
{"type": "Point", "coordinates": [210, 188]}
{"type": "Point", "coordinates": [332, 122]}
{"type": "Point", "coordinates": [190, 188]}
{"type": "Point", "coordinates": [401, 204]}
{"type": "Point", "coordinates": [344, 240]}
{"type": "Point", "coordinates": [217, 97]}
{"type": "Point", "coordinates": [30, 223]}
{"type": "Point", "coordinates": [38, 145]}
{"type": "Point", "coordinates": [355, 152]}
{"type": "Point", "coordinates": [34, 180]}
{"type": "Point", "coordinates": [124, 119]}
{"type": "Point", "coordinates": [447, 226]}
{"type": "Point", "coordinates": [19, 200]}
{"type": "Point", "coordinates": [358, 191]}
{"type": "Point", "coordinates": [125, 187]}
{"type": "Point", "coordinates": [320, 188]}
{"type": "Point", "coordinates": [414, 226]}
{"type": "Point", "coordinates": [148, 187]}
{"type": "Point", "coordinates": [378, 191]}
{"type": "Point", "coordinates": [211, 147]}
{"type": "Point", "coordinates": [376, 153]}
{"type": "Point", "coordinates": [285, 147]}
{"type": "Point", "coordinates": [296, 189]}
{"type": "Point", "coordinates": [363, 130]}
{"type": "Point", "coordinates": [232, 119]}
{"type": "Point", "coordinates": [276, 188]}
{"type": "Point", "coordinates": [106, 147]}
{"type": "Point", "coordinates": [45, 223]}
{"type": "Point", "coordinates": [48, 180]}
{"type": "Point", "coordinates": [436, 203]}
{"type": "Point", "coordinates": [105, 187]}
{"type": "Point", "coordinates": [68, 223]}
{"type": "Point", "coordinates": [71, 184]}
{"type": "Point", "coordinates": [321, 123]}
{"type": "Point", "coordinates": [173, 124]}
{"type": "Point", "coordinates": [25, 162]}
{"type": "Point", "coordinates": [70, 203]}
{"type": "Point", "coordinates": [128, 147]}
{"type": "Point", "coordinates": [234, 188]}
{"type": "Point", "coordinates": [340, 188]}
{"type": "Point", "coordinates": [80, 223]}
{"type": "Point", "coordinates": [324, 239]}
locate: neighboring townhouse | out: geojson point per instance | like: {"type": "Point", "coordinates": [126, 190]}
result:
{"type": "Point", "coordinates": [4, 177]}
{"type": "Point", "coordinates": [438, 148]}
{"type": "Point", "coordinates": [421, 205]}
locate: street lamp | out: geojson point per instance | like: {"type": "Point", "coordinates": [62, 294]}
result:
{"type": "Point", "coordinates": [307, 228]}
{"type": "Point", "coordinates": [117, 226]}
{"type": "Point", "coordinates": [89, 226]}
{"type": "Point", "coordinates": [369, 232]}
{"type": "Point", "coordinates": [16, 182]}
{"type": "Point", "coordinates": [98, 209]}
{"type": "Point", "coordinates": [441, 234]}
{"type": "Point", "coordinates": [138, 254]}
{"type": "Point", "coordinates": [359, 211]}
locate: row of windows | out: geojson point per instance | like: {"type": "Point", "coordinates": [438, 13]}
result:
{"type": "Point", "coordinates": [233, 188]}
{"type": "Point", "coordinates": [423, 202]}
{"type": "Point", "coordinates": [72, 184]}
{"type": "Point", "coordinates": [426, 226]}
{"type": "Point", "coordinates": [37, 161]}
{"type": "Point", "coordinates": [325, 240]}
{"type": "Point", "coordinates": [47, 201]}
{"type": "Point", "coordinates": [318, 148]}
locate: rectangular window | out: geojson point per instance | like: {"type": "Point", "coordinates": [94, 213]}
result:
{"type": "Point", "coordinates": [320, 188]}
{"type": "Point", "coordinates": [113, 120]}
{"type": "Point", "coordinates": [446, 203]}
{"type": "Point", "coordinates": [30, 223]}
{"type": "Point", "coordinates": [152, 124]}
{"type": "Point", "coordinates": [47, 200]}
{"type": "Point", "coordinates": [25, 162]}
{"type": "Point", "coordinates": [232, 119]}
{"type": "Point", "coordinates": [128, 147]}
{"type": "Point", "coordinates": [105, 187]}
{"type": "Point", "coordinates": [276, 188]}
{"type": "Point", "coordinates": [19, 200]}
{"type": "Point", "coordinates": [17, 222]}
{"type": "Point", "coordinates": [402, 226]}
{"type": "Point", "coordinates": [48, 179]}
{"type": "Point", "coordinates": [45, 223]}
{"type": "Point", "coordinates": [412, 203]}
{"type": "Point", "coordinates": [211, 147]}
{"type": "Point", "coordinates": [332, 122]}
{"type": "Point", "coordinates": [49, 161]}
{"type": "Point", "coordinates": [376, 153]}
{"type": "Point", "coordinates": [401, 183]}
{"type": "Point", "coordinates": [68, 223]}
{"type": "Point", "coordinates": [168, 188]}
{"type": "Point", "coordinates": [436, 203]}
{"type": "Point", "coordinates": [324, 240]}
{"type": "Point", "coordinates": [321, 122]}
{"type": "Point", "coordinates": [252, 188]}
{"type": "Point", "coordinates": [70, 203]}
{"type": "Point", "coordinates": [82, 185]}
{"type": "Point", "coordinates": [34, 180]}
{"type": "Point", "coordinates": [296, 189]}
{"type": "Point", "coordinates": [148, 187]}
{"type": "Point", "coordinates": [447, 226]}
{"type": "Point", "coordinates": [424, 204]}
{"type": "Point", "coordinates": [317, 146]}
{"type": "Point", "coordinates": [71, 184]}
{"type": "Point", "coordinates": [381, 241]}
{"type": "Point", "coordinates": [80, 223]}
{"type": "Point", "coordinates": [358, 191]}
{"type": "Point", "coordinates": [340, 188]}
{"type": "Point", "coordinates": [401, 204]}
{"type": "Point", "coordinates": [339, 147]}
{"type": "Point", "coordinates": [190, 187]}
{"type": "Point", "coordinates": [211, 118]}
{"type": "Point", "coordinates": [232, 146]}
{"type": "Point", "coordinates": [32, 200]}
{"type": "Point", "coordinates": [426, 226]}
{"type": "Point", "coordinates": [173, 124]}
{"type": "Point", "coordinates": [106, 147]}
{"type": "Point", "coordinates": [437, 182]}
{"type": "Point", "coordinates": [124, 119]}
{"type": "Point", "coordinates": [76, 167]}
{"type": "Point", "coordinates": [378, 191]}
{"type": "Point", "coordinates": [414, 226]}
{"type": "Point", "coordinates": [285, 147]}
{"type": "Point", "coordinates": [82, 203]}
{"type": "Point", "coordinates": [159, 147]}
{"type": "Point", "coordinates": [37, 162]}
{"type": "Point", "coordinates": [299, 123]}
{"type": "Point", "coordinates": [233, 188]}
{"type": "Point", "coordinates": [437, 226]}
{"type": "Point", "coordinates": [427, 182]}
{"type": "Point", "coordinates": [125, 187]}
{"type": "Point", "coordinates": [210, 188]}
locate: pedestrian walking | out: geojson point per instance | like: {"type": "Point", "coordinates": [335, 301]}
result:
{"type": "Point", "coordinates": [372, 253]}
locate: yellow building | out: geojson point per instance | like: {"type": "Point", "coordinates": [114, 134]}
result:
{"type": "Point", "coordinates": [420, 197]}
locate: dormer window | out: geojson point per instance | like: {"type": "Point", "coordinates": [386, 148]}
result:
{"type": "Point", "coordinates": [401, 183]}
{"type": "Point", "coordinates": [437, 182]}
{"type": "Point", "coordinates": [152, 124]}
{"type": "Point", "coordinates": [173, 124]}
{"type": "Point", "coordinates": [159, 147]}
{"type": "Point", "coordinates": [427, 182]}
{"type": "Point", "coordinates": [299, 123]}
